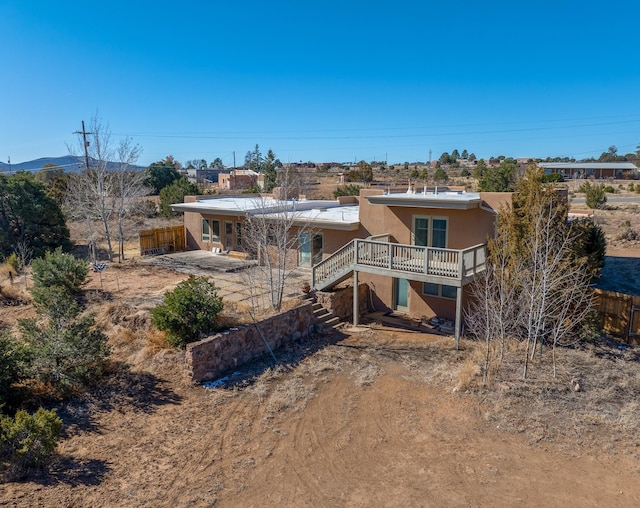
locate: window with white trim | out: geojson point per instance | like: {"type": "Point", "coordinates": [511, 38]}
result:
{"type": "Point", "coordinates": [206, 231]}
{"type": "Point", "coordinates": [429, 231]}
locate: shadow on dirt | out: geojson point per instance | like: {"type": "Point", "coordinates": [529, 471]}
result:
{"type": "Point", "coordinates": [69, 471]}
{"type": "Point", "coordinates": [119, 390]}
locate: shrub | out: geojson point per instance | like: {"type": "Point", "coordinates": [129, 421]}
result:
{"type": "Point", "coordinates": [347, 190]}
{"type": "Point", "coordinates": [631, 187]}
{"type": "Point", "coordinates": [630, 235]}
{"type": "Point", "coordinates": [552, 178]}
{"type": "Point", "coordinates": [29, 440]}
{"type": "Point", "coordinates": [609, 189]}
{"type": "Point", "coordinates": [11, 356]}
{"type": "Point", "coordinates": [59, 269]}
{"type": "Point", "coordinates": [66, 354]}
{"type": "Point", "coordinates": [591, 328]}
{"type": "Point", "coordinates": [440, 175]}
{"type": "Point", "coordinates": [14, 262]}
{"type": "Point", "coordinates": [188, 311]}
{"type": "Point", "coordinates": [595, 195]}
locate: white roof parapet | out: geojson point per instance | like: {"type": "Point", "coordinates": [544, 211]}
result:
{"type": "Point", "coordinates": [460, 200]}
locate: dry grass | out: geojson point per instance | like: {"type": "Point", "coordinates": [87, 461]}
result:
{"type": "Point", "coordinates": [13, 288]}
{"type": "Point", "coordinates": [366, 370]}
{"type": "Point", "coordinates": [291, 393]}
{"type": "Point", "coordinates": [594, 393]}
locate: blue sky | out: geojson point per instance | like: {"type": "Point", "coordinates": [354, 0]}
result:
{"type": "Point", "coordinates": [337, 81]}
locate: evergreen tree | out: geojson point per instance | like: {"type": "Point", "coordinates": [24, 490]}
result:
{"type": "Point", "coordinates": [175, 193]}
{"type": "Point", "coordinates": [162, 174]}
{"type": "Point", "coordinates": [270, 167]}
{"type": "Point", "coordinates": [28, 215]}
{"type": "Point", "coordinates": [497, 179]}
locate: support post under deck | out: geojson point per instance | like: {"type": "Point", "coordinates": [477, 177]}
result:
{"type": "Point", "coordinates": [356, 304]}
{"type": "Point", "coordinates": [458, 316]}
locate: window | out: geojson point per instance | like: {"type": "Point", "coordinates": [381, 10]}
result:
{"type": "Point", "coordinates": [421, 231]}
{"type": "Point", "coordinates": [206, 231]}
{"type": "Point", "coordinates": [430, 231]}
{"type": "Point", "coordinates": [439, 233]}
{"type": "Point", "coordinates": [439, 290]}
{"type": "Point", "coordinates": [215, 226]}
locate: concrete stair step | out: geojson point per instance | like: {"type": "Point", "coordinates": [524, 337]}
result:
{"type": "Point", "coordinates": [332, 322]}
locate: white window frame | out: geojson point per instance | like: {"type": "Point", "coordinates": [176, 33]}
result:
{"type": "Point", "coordinates": [430, 219]}
{"type": "Point", "coordinates": [205, 225]}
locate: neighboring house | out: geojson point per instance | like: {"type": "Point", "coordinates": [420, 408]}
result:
{"type": "Point", "coordinates": [204, 175]}
{"type": "Point", "coordinates": [595, 170]}
{"type": "Point", "coordinates": [417, 251]}
{"type": "Point", "coordinates": [237, 179]}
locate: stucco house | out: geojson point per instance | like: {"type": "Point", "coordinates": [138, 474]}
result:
{"type": "Point", "coordinates": [595, 170]}
{"type": "Point", "coordinates": [416, 249]}
{"type": "Point", "coordinates": [237, 179]}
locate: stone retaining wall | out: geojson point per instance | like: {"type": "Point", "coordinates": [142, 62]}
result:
{"type": "Point", "coordinates": [340, 301]}
{"type": "Point", "coordinates": [210, 358]}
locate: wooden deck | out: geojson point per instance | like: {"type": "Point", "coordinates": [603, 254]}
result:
{"type": "Point", "coordinates": [428, 264]}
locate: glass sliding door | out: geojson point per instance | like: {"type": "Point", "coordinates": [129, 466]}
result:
{"type": "Point", "coordinates": [310, 251]}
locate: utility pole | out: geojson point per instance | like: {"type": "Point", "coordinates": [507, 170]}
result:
{"type": "Point", "coordinates": [234, 159]}
{"type": "Point", "coordinates": [9, 157]}
{"type": "Point", "coordinates": [86, 144]}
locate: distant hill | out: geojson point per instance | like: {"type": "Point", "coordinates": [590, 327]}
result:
{"type": "Point", "coordinates": [70, 164]}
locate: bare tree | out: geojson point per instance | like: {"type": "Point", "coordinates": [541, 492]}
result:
{"type": "Point", "coordinates": [494, 310]}
{"type": "Point", "coordinates": [536, 288]}
{"type": "Point", "coordinates": [271, 235]}
{"type": "Point", "coordinates": [107, 186]}
{"type": "Point", "coordinates": [555, 292]}
{"type": "Point", "coordinates": [129, 186]}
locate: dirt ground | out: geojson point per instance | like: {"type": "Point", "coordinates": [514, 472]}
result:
{"type": "Point", "coordinates": [373, 417]}
{"type": "Point", "coordinates": [369, 417]}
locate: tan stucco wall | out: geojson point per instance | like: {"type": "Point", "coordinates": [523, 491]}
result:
{"type": "Point", "coordinates": [465, 228]}
{"type": "Point", "coordinates": [332, 240]}
{"type": "Point", "coordinates": [193, 227]}
{"type": "Point", "coordinates": [419, 304]}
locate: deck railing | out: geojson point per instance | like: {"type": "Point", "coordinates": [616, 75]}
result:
{"type": "Point", "coordinates": [328, 268]}
{"type": "Point", "coordinates": [449, 263]}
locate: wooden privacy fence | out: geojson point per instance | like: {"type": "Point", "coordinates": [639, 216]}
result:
{"type": "Point", "coordinates": [162, 240]}
{"type": "Point", "coordinates": [620, 314]}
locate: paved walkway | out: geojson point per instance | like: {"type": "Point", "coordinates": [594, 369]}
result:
{"type": "Point", "coordinates": [238, 280]}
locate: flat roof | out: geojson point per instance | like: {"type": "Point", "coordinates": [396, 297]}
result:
{"type": "Point", "coordinates": [588, 165]}
{"type": "Point", "coordinates": [452, 200]}
{"type": "Point", "coordinates": [322, 213]}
